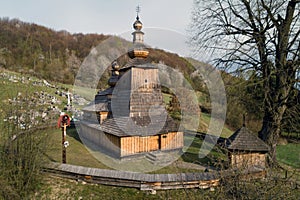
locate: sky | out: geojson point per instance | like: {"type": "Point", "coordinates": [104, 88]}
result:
{"type": "Point", "coordinates": [166, 22]}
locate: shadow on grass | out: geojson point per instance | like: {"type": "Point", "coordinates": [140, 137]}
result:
{"type": "Point", "coordinates": [214, 159]}
{"type": "Point", "coordinates": [72, 132]}
{"type": "Point", "coordinates": [194, 158]}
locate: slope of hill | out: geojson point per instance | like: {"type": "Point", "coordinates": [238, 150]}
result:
{"type": "Point", "coordinates": [43, 52]}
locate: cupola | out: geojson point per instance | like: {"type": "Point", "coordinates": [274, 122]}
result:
{"type": "Point", "coordinates": [138, 39]}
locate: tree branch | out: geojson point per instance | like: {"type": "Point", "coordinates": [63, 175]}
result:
{"type": "Point", "coordinates": [270, 13]}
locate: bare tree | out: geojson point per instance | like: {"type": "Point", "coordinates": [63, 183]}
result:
{"type": "Point", "coordinates": [255, 34]}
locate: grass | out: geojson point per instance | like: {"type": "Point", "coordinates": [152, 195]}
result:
{"type": "Point", "coordinates": [166, 98]}
{"type": "Point", "coordinates": [10, 90]}
{"type": "Point", "coordinates": [57, 188]}
{"type": "Point", "coordinates": [77, 154]}
{"type": "Point", "coordinates": [202, 98]}
{"type": "Point", "coordinates": [192, 152]}
{"type": "Point", "coordinates": [204, 123]}
{"type": "Point", "coordinates": [289, 154]}
{"type": "Point", "coordinates": [87, 93]}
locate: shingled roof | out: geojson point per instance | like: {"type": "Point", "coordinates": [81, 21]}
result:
{"type": "Point", "coordinates": [139, 126]}
{"type": "Point", "coordinates": [244, 140]}
{"type": "Point", "coordinates": [92, 107]}
{"type": "Point", "coordinates": [106, 92]}
{"type": "Point", "coordinates": [138, 62]}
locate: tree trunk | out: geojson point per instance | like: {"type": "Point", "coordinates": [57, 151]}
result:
{"type": "Point", "coordinates": [271, 129]}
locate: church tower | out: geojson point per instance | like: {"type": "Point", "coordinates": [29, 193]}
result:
{"type": "Point", "coordinates": [139, 50]}
{"type": "Point", "coordinates": [144, 93]}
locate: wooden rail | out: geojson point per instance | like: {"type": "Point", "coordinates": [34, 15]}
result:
{"type": "Point", "coordinates": [134, 179]}
{"type": "Point", "coordinates": [150, 182]}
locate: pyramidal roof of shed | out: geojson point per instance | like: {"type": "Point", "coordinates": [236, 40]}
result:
{"type": "Point", "coordinates": [245, 140]}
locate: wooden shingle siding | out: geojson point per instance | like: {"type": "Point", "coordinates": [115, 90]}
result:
{"type": "Point", "coordinates": [141, 102]}
{"type": "Point", "coordinates": [123, 126]}
{"type": "Point", "coordinates": [121, 96]}
{"type": "Point", "coordinates": [91, 116]}
{"type": "Point", "coordinates": [145, 92]}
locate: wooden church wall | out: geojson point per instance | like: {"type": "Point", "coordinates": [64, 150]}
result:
{"type": "Point", "coordinates": [142, 102]}
{"type": "Point", "coordinates": [144, 78]}
{"type": "Point", "coordinates": [108, 142]}
{"type": "Point", "coordinates": [172, 140]}
{"type": "Point", "coordinates": [101, 116]}
{"type": "Point", "coordinates": [136, 144]}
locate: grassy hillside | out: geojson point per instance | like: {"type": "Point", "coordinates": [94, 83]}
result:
{"type": "Point", "coordinates": [289, 154]}
{"type": "Point", "coordinates": [31, 97]}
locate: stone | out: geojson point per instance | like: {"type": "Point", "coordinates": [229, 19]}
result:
{"type": "Point", "coordinates": [153, 192]}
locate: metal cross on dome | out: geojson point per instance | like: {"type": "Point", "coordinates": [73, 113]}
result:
{"type": "Point", "coordinates": [138, 10]}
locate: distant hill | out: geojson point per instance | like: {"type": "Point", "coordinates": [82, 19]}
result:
{"type": "Point", "coordinates": [43, 52]}
{"type": "Point", "coordinates": [56, 55]}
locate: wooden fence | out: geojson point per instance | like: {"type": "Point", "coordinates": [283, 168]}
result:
{"type": "Point", "coordinates": [134, 179]}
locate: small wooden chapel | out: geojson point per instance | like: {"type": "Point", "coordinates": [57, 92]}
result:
{"type": "Point", "coordinates": [246, 150]}
{"type": "Point", "coordinates": [128, 118]}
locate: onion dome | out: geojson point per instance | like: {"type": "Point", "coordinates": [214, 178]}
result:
{"type": "Point", "coordinates": [114, 74]}
{"type": "Point", "coordinates": [115, 65]}
{"type": "Point", "coordinates": [137, 25]}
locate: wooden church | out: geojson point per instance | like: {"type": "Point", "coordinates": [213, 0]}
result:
{"type": "Point", "coordinates": [128, 118]}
